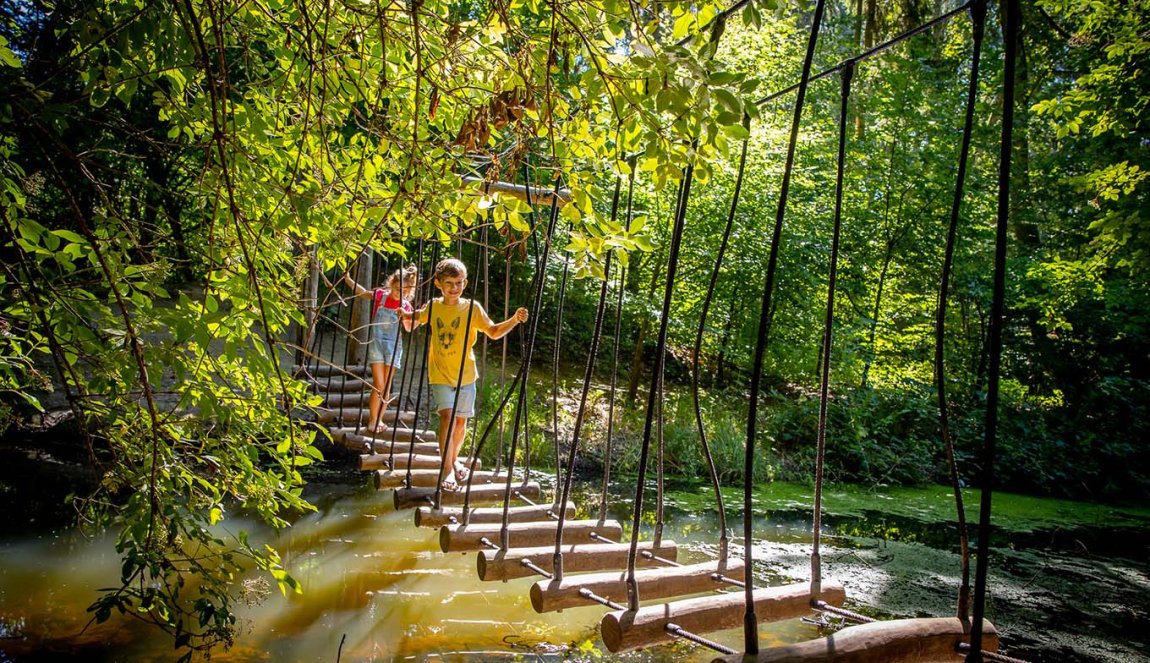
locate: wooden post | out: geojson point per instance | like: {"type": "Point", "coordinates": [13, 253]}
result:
{"type": "Point", "coordinates": [924, 640]}
{"type": "Point", "coordinates": [539, 196]}
{"type": "Point", "coordinates": [309, 305]}
{"type": "Point", "coordinates": [624, 630]}
{"type": "Point", "coordinates": [360, 314]}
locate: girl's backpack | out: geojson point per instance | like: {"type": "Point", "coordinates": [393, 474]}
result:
{"type": "Point", "coordinates": [376, 302]}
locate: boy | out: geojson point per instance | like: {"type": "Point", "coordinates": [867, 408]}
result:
{"type": "Point", "coordinates": [451, 346]}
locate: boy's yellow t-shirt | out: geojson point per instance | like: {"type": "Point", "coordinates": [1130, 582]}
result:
{"type": "Point", "coordinates": [449, 344]}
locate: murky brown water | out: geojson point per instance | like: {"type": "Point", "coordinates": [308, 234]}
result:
{"type": "Point", "coordinates": [378, 589]}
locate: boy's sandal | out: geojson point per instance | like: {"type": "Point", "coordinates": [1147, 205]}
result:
{"type": "Point", "coordinates": [449, 485]}
{"type": "Point", "coordinates": [461, 472]}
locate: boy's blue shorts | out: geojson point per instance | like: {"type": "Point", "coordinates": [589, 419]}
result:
{"type": "Point", "coordinates": [444, 395]}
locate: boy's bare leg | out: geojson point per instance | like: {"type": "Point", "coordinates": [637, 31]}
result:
{"type": "Point", "coordinates": [458, 432]}
{"type": "Point", "coordinates": [441, 438]}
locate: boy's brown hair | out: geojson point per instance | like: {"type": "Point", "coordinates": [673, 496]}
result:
{"type": "Point", "coordinates": [450, 267]}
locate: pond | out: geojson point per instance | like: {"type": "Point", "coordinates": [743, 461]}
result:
{"type": "Point", "coordinates": [1069, 582]}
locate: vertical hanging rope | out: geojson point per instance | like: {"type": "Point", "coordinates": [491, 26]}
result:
{"type": "Point", "coordinates": [422, 362]}
{"type": "Point", "coordinates": [978, 24]}
{"type": "Point", "coordinates": [750, 622]}
{"type": "Point", "coordinates": [724, 537]}
{"type": "Point", "coordinates": [653, 396]}
{"type": "Point", "coordinates": [607, 452]}
{"type": "Point", "coordinates": [828, 334]}
{"type": "Point", "coordinates": [579, 414]}
{"type": "Point", "coordinates": [521, 407]}
{"type": "Point", "coordinates": [503, 362]}
{"type": "Point", "coordinates": [1010, 54]}
{"type": "Point", "coordinates": [555, 369]}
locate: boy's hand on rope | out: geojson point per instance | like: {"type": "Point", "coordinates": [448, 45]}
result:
{"type": "Point", "coordinates": [520, 314]}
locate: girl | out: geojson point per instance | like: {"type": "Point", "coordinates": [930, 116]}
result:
{"type": "Point", "coordinates": [385, 350]}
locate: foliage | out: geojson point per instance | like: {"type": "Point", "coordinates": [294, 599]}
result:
{"type": "Point", "coordinates": [170, 173]}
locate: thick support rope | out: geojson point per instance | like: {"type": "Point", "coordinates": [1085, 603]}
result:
{"type": "Point", "coordinates": [653, 397]}
{"type": "Point", "coordinates": [828, 334]}
{"type": "Point", "coordinates": [423, 365]}
{"type": "Point", "coordinates": [978, 24]}
{"type": "Point", "coordinates": [724, 536]}
{"type": "Point", "coordinates": [560, 306]}
{"type": "Point", "coordinates": [750, 622]}
{"type": "Point", "coordinates": [607, 443]}
{"type": "Point", "coordinates": [1010, 55]}
{"type": "Point", "coordinates": [588, 374]}
{"type": "Point", "coordinates": [521, 407]}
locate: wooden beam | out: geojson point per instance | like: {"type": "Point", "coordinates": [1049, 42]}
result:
{"type": "Point", "coordinates": [323, 384]}
{"type": "Point", "coordinates": [539, 196]}
{"type": "Point", "coordinates": [301, 372]}
{"type": "Point", "coordinates": [656, 583]}
{"type": "Point", "coordinates": [923, 640]}
{"type": "Point", "coordinates": [624, 630]}
{"type": "Point", "coordinates": [403, 434]}
{"type": "Point", "coordinates": [425, 516]}
{"type": "Point", "coordinates": [425, 461]}
{"type": "Point", "coordinates": [388, 479]}
{"type": "Point", "coordinates": [407, 498]}
{"type": "Point", "coordinates": [508, 564]}
{"type": "Point", "coordinates": [378, 460]}
{"type": "Point", "coordinates": [326, 415]}
{"type": "Point", "coordinates": [459, 538]}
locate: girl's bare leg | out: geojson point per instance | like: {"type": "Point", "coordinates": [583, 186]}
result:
{"type": "Point", "coordinates": [380, 391]}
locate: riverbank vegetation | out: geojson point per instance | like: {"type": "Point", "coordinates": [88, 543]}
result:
{"type": "Point", "coordinates": [170, 175]}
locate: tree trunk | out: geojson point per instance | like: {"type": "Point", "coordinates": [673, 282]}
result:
{"type": "Point", "coordinates": [360, 313]}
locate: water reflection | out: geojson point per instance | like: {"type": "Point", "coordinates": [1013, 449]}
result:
{"type": "Point", "coordinates": [377, 589]}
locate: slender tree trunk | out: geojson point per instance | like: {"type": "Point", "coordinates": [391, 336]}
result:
{"type": "Point", "coordinates": [360, 313]}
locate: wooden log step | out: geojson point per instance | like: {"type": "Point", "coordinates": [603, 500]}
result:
{"type": "Point", "coordinates": [352, 399]}
{"type": "Point", "coordinates": [332, 384]}
{"type": "Point", "coordinates": [377, 460]}
{"type": "Point", "coordinates": [323, 369]}
{"type": "Point", "coordinates": [508, 564]}
{"type": "Point", "coordinates": [657, 583]}
{"type": "Point", "coordinates": [424, 462]}
{"type": "Point", "coordinates": [409, 498]}
{"type": "Point", "coordinates": [388, 479]}
{"type": "Point", "coordinates": [401, 434]}
{"type": "Point", "coordinates": [921, 640]}
{"type": "Point", "coordinates": [460, 538]}
{"type": "Point", "coordinates": [426, 516]}
{"type": "Point", "coordinates": [624, 630]}
{"type": "Point", "coordinates": [325, 415]}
